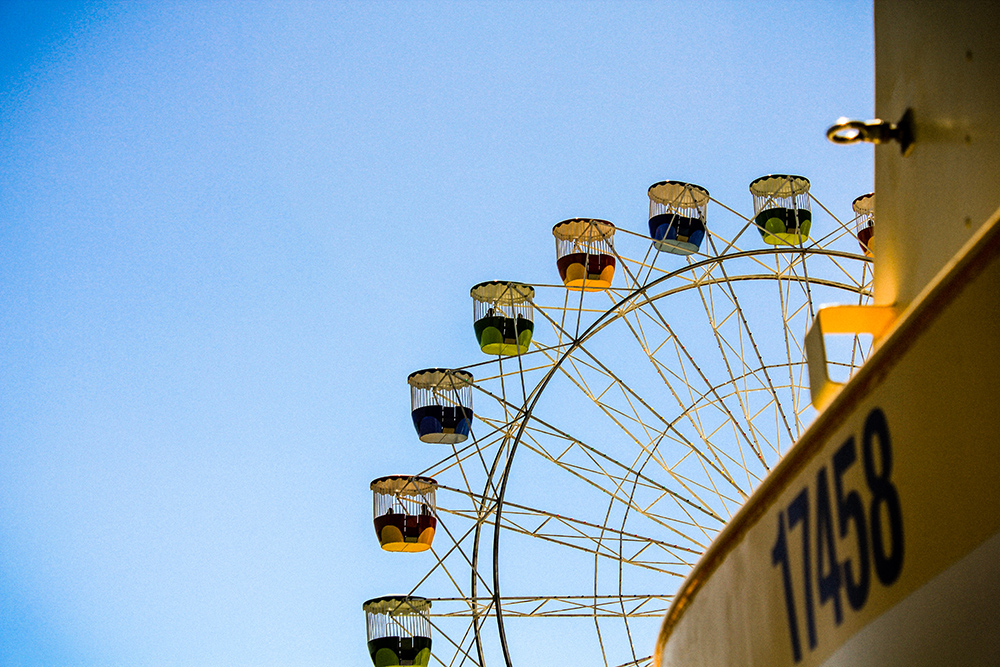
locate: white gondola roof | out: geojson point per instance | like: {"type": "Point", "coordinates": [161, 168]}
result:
{"type": "Point", "coordinates": [584, 230]}
{"type": "Point", "coordinates": [494, 291]}
{"type": "Point", "coordinates": [440, 378]}
{"type": "Point", "coordinates": [404, 485]}
{"type": "Point", "coordinates": [865, 204]}
{"type": "Point", "coordinates": [779, 185]}
{"type": "Point", "coordinates": [398, 605]}
{"type": "Point", "coordinates": [679, 194]}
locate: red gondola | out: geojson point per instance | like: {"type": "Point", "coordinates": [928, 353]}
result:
{"type": "Point", "coordinates": [864, 222]}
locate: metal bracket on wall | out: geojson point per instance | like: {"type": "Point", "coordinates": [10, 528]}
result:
{"type": "Point", "coordinates": [874, 320]}
{"type": "Point", "coordinates": [847, 131]}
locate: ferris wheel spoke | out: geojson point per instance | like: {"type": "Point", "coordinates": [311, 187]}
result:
{"type": "Point", "coordinates": [441, 560]}
{"type": "Point", "coordinates": [476, 518]}
{"type": "Point", "coordinates": [838, 231]}
{"type": "Point", "coordinates": [632, 274]}
{"type": "Point", "coordinates": [797, 266]}
{"type": "Point", "coordinates": [639, 297]}
{"type": "Point", "coordinates": [651, 450]}
{"type": "Point", "coordinates": [564, 337]}
{"type": "Point", "coordinates": [592, 477]}
{"type": "Point", "coordinates": [556, 606]}
{"type": "Point", "coordinates": [686, 356]}
{"type": "Point", "coordinates": [579, 527]}
{"type": "Point", "coordinates": [590, 452]}
{"type": "Point", "coordinates": [460, 456]}
{"type": "Point", "coordinates": [549, 430]}
{"type": "Point", "coordinates": [461, 652]}
{"type": "Point", "coordinates": [574, 537]}
{"type": "Point", "coordinates": [598, 474]}
{"type": "Point", "coordinates": [625, 613]}
{"type": "Point", "coordinates": [745, 328]}
{"type": "Point", "coordinates": [792, 345]}
{"type": "Point", "coordinates": [722, 345]}
{"type": "Point", "coordinates": [706, 436]}
{"type": "Point", "coordinates": [647, 661]}
{"type": "Point", "coordinates": [535, 355]}
{"type": "Point", "coordinates": [692, 500]}
{"type": "Point", "coordinates": [716, 465]}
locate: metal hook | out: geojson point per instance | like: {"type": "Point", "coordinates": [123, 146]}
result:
{"type": "Point", "coordinates": [847, 131]}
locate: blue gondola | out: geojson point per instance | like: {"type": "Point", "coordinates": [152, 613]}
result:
{"type": "Point", "coordinates": [677, 213]}
{"type": "Point", "coordinates": [441, 404]}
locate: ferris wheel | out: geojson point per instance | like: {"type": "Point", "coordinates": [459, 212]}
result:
{"type": "Point", "coordinates": [611, 425]}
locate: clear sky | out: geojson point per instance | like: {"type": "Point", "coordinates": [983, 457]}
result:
{"type": "Point", "coordinates": [229, 230]}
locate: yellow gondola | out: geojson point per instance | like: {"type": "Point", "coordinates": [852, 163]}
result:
{"type": "Point", "coordinates": [781, 207]}
{"type": "Point", "coordinates": [503, 315]}
{"type": "Point", "coordinates": [399, 632]}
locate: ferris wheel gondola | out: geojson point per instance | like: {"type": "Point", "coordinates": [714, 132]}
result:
{"type": "Point", "coordinates": [441, 404]}
{"type": "Point", "coordinates": [503, 316]}
{"type": "Point", "coordinates": [399, 631]}
{"type": "Point", "coordinates": [585, 253]}
{"type": "Point", "coordinates": [677, 216]}
{"type": "Point", "coordinates": [782, 208]}
{"type": "Point", "coordinates": [864, 222]}
{"type": "Point", "coordinates": [404, 512]}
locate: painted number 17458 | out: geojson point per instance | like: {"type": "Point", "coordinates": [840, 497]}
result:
{"type": "Point", "coordinates": [818, 515]}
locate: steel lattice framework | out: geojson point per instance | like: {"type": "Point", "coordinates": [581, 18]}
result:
{"type": "Point", "coordinates": [603, 461]}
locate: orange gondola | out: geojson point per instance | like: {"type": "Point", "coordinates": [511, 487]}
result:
{"type": "Point", "coordinates": [585, 254]}
{"type": "Point", "coordinates": [405, 514]}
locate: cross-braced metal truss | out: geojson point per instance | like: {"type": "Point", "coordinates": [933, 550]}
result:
{"type": "Point", "coordinates": [604, 461]}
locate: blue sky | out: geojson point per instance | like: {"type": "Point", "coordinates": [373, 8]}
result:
{"type": "Point", "coordinates": [228, 231]}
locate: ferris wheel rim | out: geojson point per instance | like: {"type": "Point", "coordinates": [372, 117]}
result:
{"type": "Point", "coordinates": [600, 323]}
{"type": "Point", "coordinates": [639, 295]}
